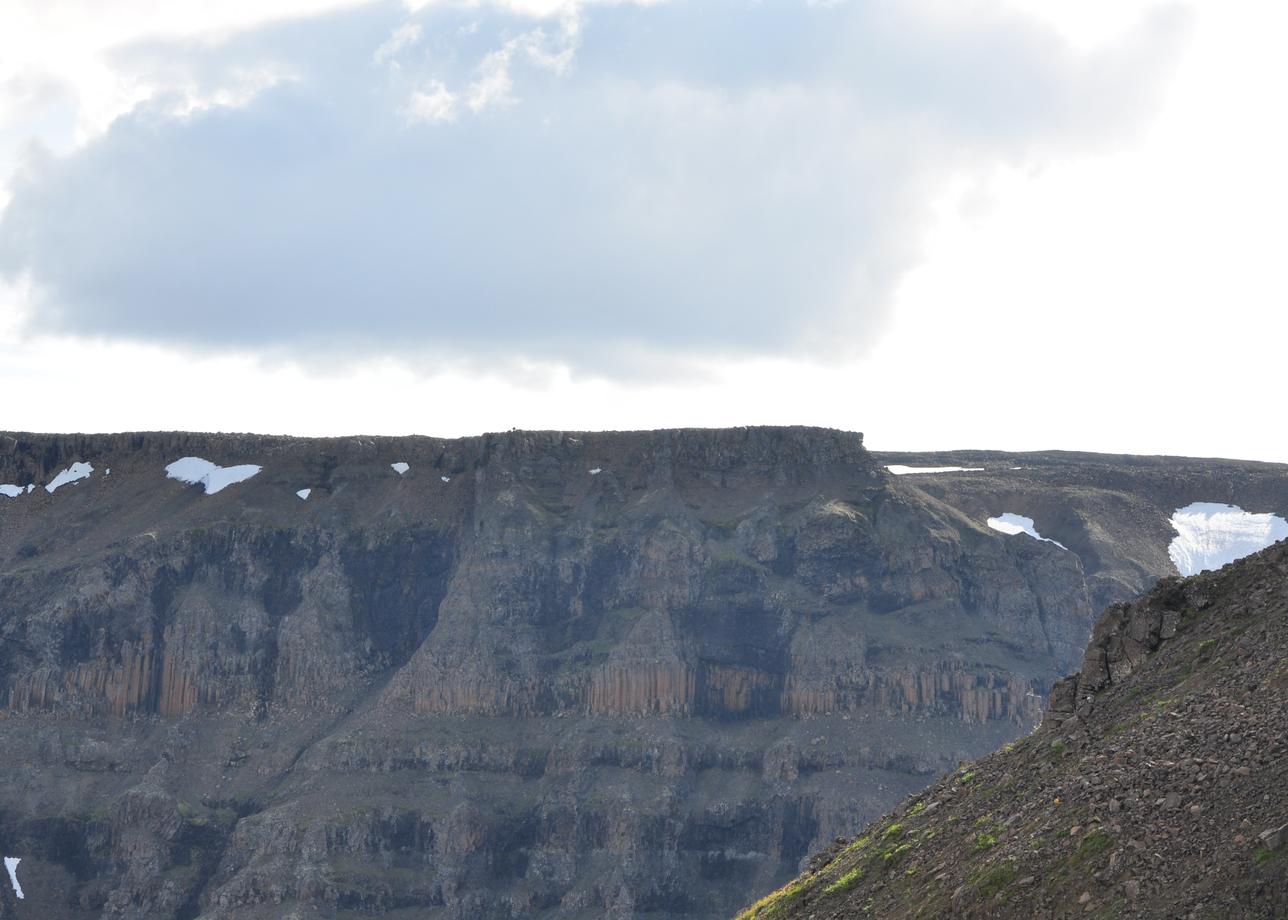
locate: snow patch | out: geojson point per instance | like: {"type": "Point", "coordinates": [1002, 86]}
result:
{"type": "Point", "coordinates": [11, 491]}
{"type": "Point", "coordinates": [73, 473]}
{"type": "Point", "coordinates": [1012, 524]}
{"type": "Point", "coordinates": [596, 471]}
{"type": "Point", "coordinates": [1210, 535]}
{"type": "Point", "coordinates": [445, 478]}
{"type": "Point", "coordinates": [900, 470]}
{"type": "Point", "coordinates": [11, 864]}
{"type": "Point", "coordinates": [304, 493]}
{"type": "Point", "coordinates": [400, 467]}
{"type": "Point", "coordinates": [215, 478]}
{"type": "Point", "coordinates": [31, 488]}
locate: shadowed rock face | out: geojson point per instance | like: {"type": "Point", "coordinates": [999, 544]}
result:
{"type": "Point", "coordinates": [529, 689]}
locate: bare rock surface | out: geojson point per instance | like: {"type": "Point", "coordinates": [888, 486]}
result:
{"type": "Point", "coordinates": [534, 673]}
{"type": "Point", "coordinates": [1154, 787]}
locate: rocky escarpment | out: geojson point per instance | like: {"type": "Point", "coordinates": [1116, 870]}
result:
{"type": "Point", "coordinates": [1154, 787]}
{"type": "Point", "coordinates": [535, 673]}
{"type": "Point", "coordinates": [1103, 508]}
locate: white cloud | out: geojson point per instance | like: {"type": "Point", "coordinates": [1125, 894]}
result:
{"type": "Point", "coordinates": [694, 188]}
{"type": "Point", "coordinates": [493, 87]}
{"type": "Point", "coordinates": [1107, 270]}
{"type": "Point", "coordinates": [433, 104]}
{"type": "Point", "coordinates": [68, 51]}
{"type": "Point", "coordinates": [238, 88]}
{"type": "Point", "coordinates": [400, 40]}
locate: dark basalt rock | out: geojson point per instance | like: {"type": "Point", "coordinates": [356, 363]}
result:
{"type": "Point", "coordinates": [1153, 789]}
{"type": "Point", "coordinates": [528, 690]}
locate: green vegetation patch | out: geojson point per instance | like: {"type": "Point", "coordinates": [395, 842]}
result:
{"type": "Point", "coordinates": [722, 555]}
{"type": "Point", "coordinates": [845, 882]}
{"type": "Point", "coordinates": [992, 879]}
{"type": "Point", "coordinates": [225, 816]}
{"type": "Point", "coordinates": [1264, 857]}
{"type": "Point", "coordinates": [984, 841]}
{"type": "Point", "coordinates": [188, 811]}
{"type": "Point", "coordinates": [858, 844]}
{"type": "Point", "coordinates": [890, 854]}
{"type": "Point", "coordinates": [774, 903]}
{"type": "Point", "coordinates": [1093, 844]}
{"type": "Point", "coordinates": [1280, 679]}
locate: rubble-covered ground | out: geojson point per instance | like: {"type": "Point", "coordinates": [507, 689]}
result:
{"type": "Point", "coordinates": [1156, 786]}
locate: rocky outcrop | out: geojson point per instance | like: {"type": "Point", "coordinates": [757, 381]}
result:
{"type": "Point", "coordinates": [1124, 638]}
{"type": "Point", "coordinates": [538, 673]}
{"type": "Point", "coordinates": [1154, 788]}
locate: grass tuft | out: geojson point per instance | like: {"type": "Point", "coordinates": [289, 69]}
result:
{"type": "Point", "coordinates": [845, 882]}
{"type": "Point", "coordinates": [984, 842]}
{"type": "Point", "coordinates": [772, 904]}
{"type": "Point", "coordinates": [1264, 856]}
{"type": "Point", "coordinates": [1093, 844]}
{"type": "Point", "coordinates": [989, 881]}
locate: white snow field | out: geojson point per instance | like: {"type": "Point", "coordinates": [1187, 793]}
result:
{"type": "Point", "coordinates": [1209, 535]}
{"type": "Point", "coordinates": [900, 470]}
{"type": "Point", "coordinates": [213, 477]}
{"type": "Point", "coordinates": [304, 493]}
{"type": "Point", "coordinates": [1012, 524]}
{"type": "Point", "coordinates": [11, 865]}
{"type": "Point", "coordinates": [11, 491]}
{"type": "Point", "coordinates": [400, 467]}
{"type": "Point", "coordinates": [73, 473]}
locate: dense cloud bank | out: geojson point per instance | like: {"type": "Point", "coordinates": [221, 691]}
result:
{"type": "Point", "coordinates": [662, 179]}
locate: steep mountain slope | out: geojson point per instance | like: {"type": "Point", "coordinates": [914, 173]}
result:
{"type": "Point", "coordinates": [1154, 788]}
{"type": "Point", "coordinates": [535, 673]}
{"type": "Point", "coordinates": [1104, 508]}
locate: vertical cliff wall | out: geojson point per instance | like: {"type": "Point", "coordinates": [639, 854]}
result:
{"type": "Point", "coordinates": [531, 674]}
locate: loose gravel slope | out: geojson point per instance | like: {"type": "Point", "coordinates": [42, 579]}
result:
{"type": "Point", "coordinates": [1157, 785]}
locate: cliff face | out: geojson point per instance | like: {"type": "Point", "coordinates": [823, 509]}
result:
{"type": "Point", "coordinates": [536, 673]}
{"type": "Point", "coordinates": [1153, 789]}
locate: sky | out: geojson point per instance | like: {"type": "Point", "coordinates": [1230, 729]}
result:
{"type": "Point", "coordinates": [1002, 224]}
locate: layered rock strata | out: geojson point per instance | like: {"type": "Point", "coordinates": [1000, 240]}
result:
{"type": "Point", "coordinates": [535, 674]}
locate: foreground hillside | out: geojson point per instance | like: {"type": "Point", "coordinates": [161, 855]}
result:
{"type": "Point", "coordinates": [1156, 786]}
{"type": "Point", "coordinates": [527, 674]}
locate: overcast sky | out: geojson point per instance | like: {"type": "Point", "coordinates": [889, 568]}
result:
{"type": "Point", "coordinates": [945, 224]}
